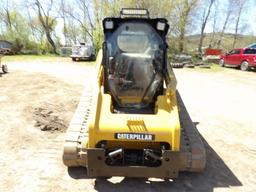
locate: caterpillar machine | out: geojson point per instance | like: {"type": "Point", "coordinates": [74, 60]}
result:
{"type": "Point", "coordinates": [132, 121]}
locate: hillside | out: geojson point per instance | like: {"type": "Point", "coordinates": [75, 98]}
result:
{"type": "Point", "coordinates": [227, 42]}
{"type": "Point", "coordinates": [191, 42]}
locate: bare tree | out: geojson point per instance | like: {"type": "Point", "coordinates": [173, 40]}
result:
{"type": "Point", "coordinates": [206, 14]}
{"type": "Point", "coordinates": [240, 4]}
{"type": "Point", "coordinates": [81, 14]}
{"type": "Point", "coordinates": [185, 8]}
{"type": "Point", "coordinates": [214, 25]}
{"type": "Point", "coordinates": [47, 21]}
{"type": "Point", "coordinates": [227, 18]}
{"type": "Point", "coordinates": [63, 16]}
{"type": "Point", "coordinates": [5, 14]}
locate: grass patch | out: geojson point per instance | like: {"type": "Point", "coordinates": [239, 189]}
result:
{"type": "Point", "coordinates": [214, 68]}
{"type": "Point", "coordinates": [10, 58]}
{"type": "Point", "coordinates": [41, 58]}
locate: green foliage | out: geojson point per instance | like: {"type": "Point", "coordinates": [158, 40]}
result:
{"type": "Point", "coordinates": [98, 39]}
{"type": "Point", "coordinates": [45, 47]}
{"type": "Point", "coordinates": [17, 45]}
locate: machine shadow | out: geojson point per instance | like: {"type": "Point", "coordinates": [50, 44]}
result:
{"type": "Point", "coordinates": [216, 175]}
{"type": "Point", "coordinates": [78, 172]}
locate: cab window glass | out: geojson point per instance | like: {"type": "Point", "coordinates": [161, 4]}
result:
{"type": "Point", "coordinates": [127, 41]}
{"type": "Point", "coordinates": [235, 51]}
{"type": "Point", "coordinates": [135, 60]}
{"type": "Point", "coordinates": [250, 51]}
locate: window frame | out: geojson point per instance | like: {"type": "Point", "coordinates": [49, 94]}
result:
{"type": "Point", "coordinates": [235, 52]}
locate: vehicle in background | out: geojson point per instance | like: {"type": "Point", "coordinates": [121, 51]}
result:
{"type": "Point", "coordinates": [253, 46]}
{"type": "Point", "coordinates": [6, 48]}
{"type": "Point", "coordinates": [211, 55]}
{"type": "Point", "coordinates": [83, 52]}
{"type": "Point", "coordinates": [245, 58]}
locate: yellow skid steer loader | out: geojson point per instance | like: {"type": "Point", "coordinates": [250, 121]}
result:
{"type": "Point", "coordinates": [133, 122]}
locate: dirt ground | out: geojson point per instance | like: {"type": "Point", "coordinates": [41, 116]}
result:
{"type": "Point", "coordinates": [37, 101]}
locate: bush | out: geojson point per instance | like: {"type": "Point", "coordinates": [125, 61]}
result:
{"type": "Point", "coordinates": [17, 45]}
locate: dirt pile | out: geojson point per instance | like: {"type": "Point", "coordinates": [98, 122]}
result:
{"type": "Point", "coordinates": [47, 118]}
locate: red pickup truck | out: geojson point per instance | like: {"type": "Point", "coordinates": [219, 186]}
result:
{"type": "Point", "coordinates": [245, 58]}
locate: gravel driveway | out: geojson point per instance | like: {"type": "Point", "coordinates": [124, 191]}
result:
{"type": "Point", "coordinates": [222, 105]}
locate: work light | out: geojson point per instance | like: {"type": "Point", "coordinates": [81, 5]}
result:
{"type": "Point", "coordinates": [109, 24]}
{"type": "Point", "coordinates": [134, 12]}
{"type": "Point", "coordinates": [160, 26]}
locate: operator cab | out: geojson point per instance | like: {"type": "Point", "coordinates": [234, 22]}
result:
{"type": "Point", "coordinates": [134, 59]}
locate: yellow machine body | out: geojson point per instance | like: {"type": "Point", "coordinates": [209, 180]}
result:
{"type": "Point", "coordinates": [164, 124]}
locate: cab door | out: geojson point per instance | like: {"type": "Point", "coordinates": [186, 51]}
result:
{"type": "Point", "coordinates": [233, 57]}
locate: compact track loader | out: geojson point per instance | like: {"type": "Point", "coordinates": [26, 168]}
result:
{"type": "Point", "coordinates": [132, 122]}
